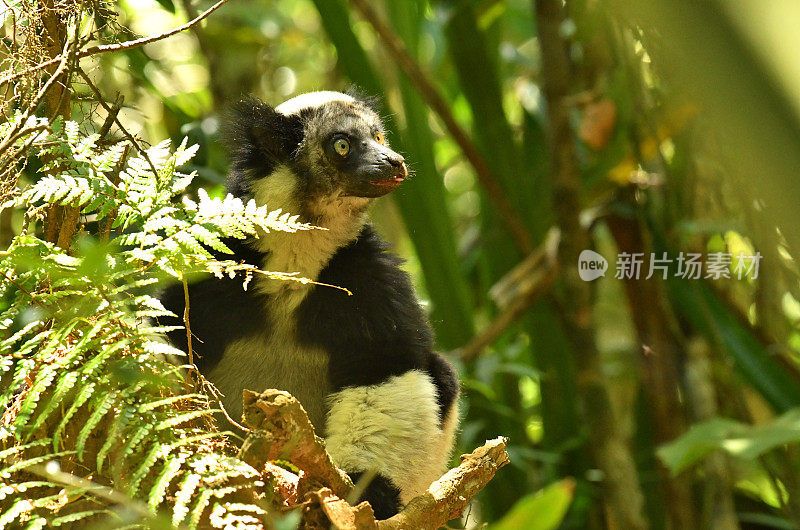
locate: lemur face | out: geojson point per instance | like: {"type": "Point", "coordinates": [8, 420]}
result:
{"type": "Point", "coordinates": [343, 150]}
{"type": "Point", "coordinates": [317, 151]}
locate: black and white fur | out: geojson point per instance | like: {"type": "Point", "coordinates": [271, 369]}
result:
{"type": "Point", "coordinates": [363, 366]}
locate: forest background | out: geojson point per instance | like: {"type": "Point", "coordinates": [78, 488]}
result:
{"type": "Point", "coordinates": [652, 130]}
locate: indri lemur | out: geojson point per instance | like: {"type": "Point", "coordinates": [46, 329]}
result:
{"type": "Point", "coordinates": [363, 366]}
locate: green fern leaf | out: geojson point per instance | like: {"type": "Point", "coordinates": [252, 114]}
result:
{"type": "Point", "coordinates": [44, 379]}
{"type": "Point", "coordinates": [6, 472]}
{"type": "Point", "coordinates": [62, 387]}
{"type": "Point", "coordinates": [202, 503]}
{"type": "Point", "coordinates": [181, 508]}
{"type": "Point", "coordinates": [157, 451]}
{"type": "Point", "coordinates": [32, 343]}
{"type": "Point", "coordinates": [171, 469]}
{"type": "Point", "coordinates": [77, 516]}
{"type": "Point", "coordinates": [6, 345]}
{"type": "Point", "coordinates": [92, 365]}
{"type": "Point", "coordinates": [117, 427]}
{"type": "Point", "coordinates": [5, 453]}
{"type": "Point", "coordinates": [36, 524]}
{"type": "Point", "coordinates": [84, 394]}
{"type": "Point", "coordinates": [102, 404]}
{"type": "Point", "coordinates": [146, 407]}
{"type": "Point", "coordinates": [183, 418]}
{"type": "Point", "coordinates": [130, 446]}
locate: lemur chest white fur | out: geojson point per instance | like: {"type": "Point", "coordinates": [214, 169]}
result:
{"type": "Point", "coordinates": [274, 358]}
{"type": "Point", "coordinates": [304, 252]}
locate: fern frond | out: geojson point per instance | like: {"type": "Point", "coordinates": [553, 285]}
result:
{"type": "Point", "coordinates": [101, 405]}
{"type": "Point", "coordinates": [83, 396]}
{"type": "Point", "coordinates": [77, 516]}
{"type": "Point", "coordinates": [171, 469]}
{"type": "Point", "coordinates": [64, 385]}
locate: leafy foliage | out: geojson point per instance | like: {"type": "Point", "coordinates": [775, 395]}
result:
{"type": "Point", "coordinates": [87, 381]}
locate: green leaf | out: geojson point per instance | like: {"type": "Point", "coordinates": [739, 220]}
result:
{"type": "Point", "coordinates": [543, 510]}
{"type": "Point", "coordinates": [700, 440]}
{"type": "Point", "coordinates": [758, 440]}
{"type": "Point", "coordinates": [702, 307]}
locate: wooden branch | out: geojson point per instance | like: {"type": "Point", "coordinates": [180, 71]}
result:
{"type": "Point", "coordinates": [447, 498]}
{"type": "Point", "coordinates": [397, 49]}
{"type": "Point", "coordinates": [189, 351]}
{"type": "Point", "coordinates": [280, 429]}
{"type": "Point", "coordinates": [118, 46]}
{"type": "Point", "coordinates": [516, 291]}
{"type": "Point", "coordinates": [116, 120]}
{"type": "Point", "coordinates": [111, 116]}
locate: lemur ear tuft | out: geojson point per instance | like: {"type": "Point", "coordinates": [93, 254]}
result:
{"type": "Point", "coordinates": [371, 102]}
{"type": "Point", "coordinates": [258, 137]}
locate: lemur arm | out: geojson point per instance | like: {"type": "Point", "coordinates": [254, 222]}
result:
{"type": "Point", "coordinates": [220, 310]}
{"type": "Point", "coordinates": [392, 408]}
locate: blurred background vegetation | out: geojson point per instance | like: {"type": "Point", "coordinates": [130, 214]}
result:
{"type": "Point", "coordinates": [640, 127]}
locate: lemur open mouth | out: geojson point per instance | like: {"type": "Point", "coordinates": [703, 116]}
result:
{"type": "Point", "coordinates": [393, 182]}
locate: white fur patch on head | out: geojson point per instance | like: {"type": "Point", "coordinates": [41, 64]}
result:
{"type": "Point", "coordinates": [393, 429]}
{"type": "Point", "coordinates": [311, 100]}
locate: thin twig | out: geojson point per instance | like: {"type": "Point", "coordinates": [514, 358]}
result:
{"type": "Point", "coordinates": [111, 117]}
{"type": "Point", "coordinates": [64, 59]}
{"type": "Point", "coordinates": [119, 46]}
{"type": "Point", "coordinates": [53, 473]}
{"type": "Point", "coordinates": [21, 288]}
{"type": "Point", "coordinates": [105, 232]}
{"type": "Point", "coordinates": [121, 127]}
{"type": "Point", "coordinates": [189, 351]}
{"type": "Point", "coordinates": [428, 91]}
{"type": "Point", "coordinates": [217, 395]}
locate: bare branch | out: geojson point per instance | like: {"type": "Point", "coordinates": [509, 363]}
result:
{"type": "Point", "coordinates": [111, 112]}
{"type": "Point", "coordinates": [12, 134]}
{"type": "Point", "coordinates": [118, 46]}
{"type": "Point", "coordinates": [516, 291]}
{"type": "Point", "coordinates": [447, 498]}
{"type": "Point", "coordinates": [281, 430]}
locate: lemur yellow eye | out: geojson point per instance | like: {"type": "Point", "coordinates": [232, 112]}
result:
{"type": "Point", "coordinates": [379, 138]}
{"type": "Point", "coordinates": [342, 146]}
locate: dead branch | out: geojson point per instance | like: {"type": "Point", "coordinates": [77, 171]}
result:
{"type": "Point", "coordinates": [111, 112]}
{"type": "Point", "coordinates": [281, 430]}
{"type": "Point", "coordinates": [63, 60]}
{"type": "Point", "coordinates": [447, 498]}
{"type": "Point", "coordinates": [118, 46]}
{"type": "Point", "coordinates": [516, 291]}
{"type": "Point", "coordinates": [395, 46]}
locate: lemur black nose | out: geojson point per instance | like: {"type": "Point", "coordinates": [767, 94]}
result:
{"type": "Point", "coordinates": [396, 160]}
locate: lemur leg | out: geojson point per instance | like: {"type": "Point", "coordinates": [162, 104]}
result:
{"type": "Point", "coordinates": [397, 429]}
